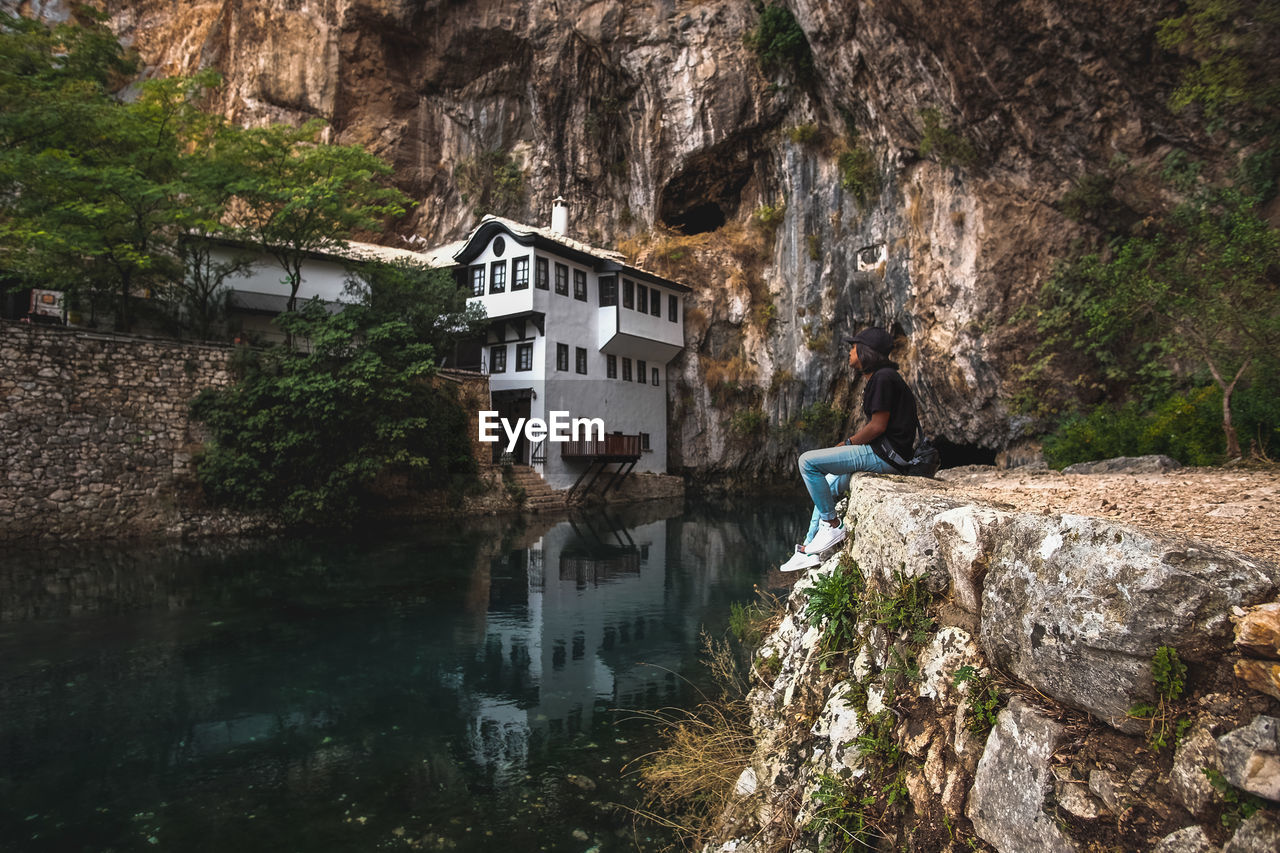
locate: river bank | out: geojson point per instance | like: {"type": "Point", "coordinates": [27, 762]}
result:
{"type": "Point", "coordinates": [1009, 674]}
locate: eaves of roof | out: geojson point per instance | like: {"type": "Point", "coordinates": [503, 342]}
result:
{"type": "Point", "coordinates": [600, 260]}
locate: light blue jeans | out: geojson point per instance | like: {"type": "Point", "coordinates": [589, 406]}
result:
{"type": "Point", "coordinates": [840, 461]}
{"type": "Point", "coordinates": [839, 484]}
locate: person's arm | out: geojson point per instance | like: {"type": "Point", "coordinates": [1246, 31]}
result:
{"type": "Point", "coordinates": [872, 430]}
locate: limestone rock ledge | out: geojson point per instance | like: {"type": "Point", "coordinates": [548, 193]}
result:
{"type": "Point", "coordinates": [994, 689]}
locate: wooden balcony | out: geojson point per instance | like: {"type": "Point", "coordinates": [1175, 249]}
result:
{"type": "Point", "coordinates": [613, 448]}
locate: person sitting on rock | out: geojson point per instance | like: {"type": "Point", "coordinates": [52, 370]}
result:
{"type": "Point", "coordinates": [882, 446]}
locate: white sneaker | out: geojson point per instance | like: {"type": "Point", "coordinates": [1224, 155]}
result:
{"type": "Point", "coordinates": [793, 564]}
{"type": "Point", "coordinates": [800, 561]}
{"type": "Point", "coordinates": [827, 537]}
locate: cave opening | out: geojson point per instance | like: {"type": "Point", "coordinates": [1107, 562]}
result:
{"type": "Point", "coordinates": [699, 219]}
{"type": "Point", "coordinates": [956, 455]}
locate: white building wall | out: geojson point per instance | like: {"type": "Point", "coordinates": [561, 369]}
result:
{"type": "Point", "coordinates": [323, 278]}
{"type": "Point", "coordinates": [628, 407]}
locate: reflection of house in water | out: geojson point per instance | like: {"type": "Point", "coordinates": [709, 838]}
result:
{"type": "Point", "coordinates": [575, 626]}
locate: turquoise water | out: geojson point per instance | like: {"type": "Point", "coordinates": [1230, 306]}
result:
{"type": "Point", "coordinates": [477, 688]}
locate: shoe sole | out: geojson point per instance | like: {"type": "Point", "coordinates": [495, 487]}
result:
{"type": "Point", "coordinates": [799, 568]}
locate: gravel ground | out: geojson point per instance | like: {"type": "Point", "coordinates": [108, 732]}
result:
{"type": "Point", "coordinates": [1236, 508]}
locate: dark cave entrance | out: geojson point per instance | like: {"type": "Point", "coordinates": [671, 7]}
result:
{"type": "Point", "coordinates": [707, 191]}
{"type": "Point", "coordinates": [697, 220]}
{"type": "Point", "coordinates": [956, 455]}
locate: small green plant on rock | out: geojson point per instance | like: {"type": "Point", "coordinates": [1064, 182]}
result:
{"type": "Point", "coordinates": [1240, 805]}
{"type": "Point", "coordinates": [780, 44]}
{"type": "Point", "coordinates": [858, 173]}
{"type": "Point", "coordinates": [747, 622]}
{"type": "Point", "coordinates": [904, 609]}
{"type": "Point", "coordinates": [769, 667]}
{"type": "Point", "coordinates": [1168, 674]}
{"type": "Point", "coordinates": [943, 143]}
{"type": "Point", "coordinates": [804, 134]}
{"type": "Point", "coordinates": [748, 422]}
{"type": "Point", "coordinates": [982, 705]}
{"type": "Point", "coordinates": [769, 216]}
{"type": "Point", "coordinates": [841, 820]}
{"type": "Point", "coordinates": [493, 182]}
{"type": "Point", "coordinates": [833, 606]}
{"type": "Point", "coordinates": [879, 748]}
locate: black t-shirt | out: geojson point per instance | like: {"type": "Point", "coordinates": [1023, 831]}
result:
{"type": "Point", "coordinates": [886, 391]}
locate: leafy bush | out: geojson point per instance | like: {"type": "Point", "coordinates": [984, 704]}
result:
{"type": "Point", "coordinates": [1231, 45]}
{"type": "Point", "coordinates": [833, 606]}
{"type": "Point", "coordinates": [820, 420]}
{"type": "Point", "coordinates": [493, 182]}
{"type": "Point", "coordinates": [780, 44]}
{"type": "Point", "coordinates": [1188, 298]}
{"type": "Point", "coordinates": [1088, 198]}
{"type": "Point", "coordinates": [305, 434]}
{"type": "Point", "coordinates": [1187, 427]}
{"type": "Point", "coordinates": [769, 216]}
{"type": "Point", "coordinates": [804, 134]}
{"type": "Point", "coordinates": [943, 143]}
{"type": "Point", "coordinates": [859, 175]}
{"type": "Point", "coordinates": [748, 422]}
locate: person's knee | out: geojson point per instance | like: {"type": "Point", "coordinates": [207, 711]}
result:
{"type": "Point", "coordinates": [807, 463]}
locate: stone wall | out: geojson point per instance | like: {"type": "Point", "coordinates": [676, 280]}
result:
{"type": "Point", "coordinates": [96, 432]}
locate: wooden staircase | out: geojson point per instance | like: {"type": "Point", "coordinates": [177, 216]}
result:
{"type": "Point", "coordinates": [539, 497]}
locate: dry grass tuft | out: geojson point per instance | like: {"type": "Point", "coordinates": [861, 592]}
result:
{"type": "Point", "coordinates": [690, 782]}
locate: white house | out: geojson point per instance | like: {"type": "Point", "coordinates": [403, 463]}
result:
{"type": "Point", "coordinates": [573, 329]}
{"type": "Point", "coordinates": [260, 293]}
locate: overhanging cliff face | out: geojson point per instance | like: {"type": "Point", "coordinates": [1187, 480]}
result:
{"type": "Point", "coordinates": [648, 113]}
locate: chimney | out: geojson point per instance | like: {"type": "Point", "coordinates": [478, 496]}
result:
{"type": "Point", "coordinates": [560, 217]}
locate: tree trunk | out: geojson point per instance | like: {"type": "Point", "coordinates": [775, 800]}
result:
{"type": "Point", "coordinates": [122, 311]}
{"type": "Point", "coordinates": [1233, 443]}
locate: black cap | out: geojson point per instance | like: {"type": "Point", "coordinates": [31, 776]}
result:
{"type": "Point", "coordinates": [876, 338]}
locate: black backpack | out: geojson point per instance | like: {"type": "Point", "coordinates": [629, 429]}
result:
{"type": "Point", "coordinates": [924, 461]}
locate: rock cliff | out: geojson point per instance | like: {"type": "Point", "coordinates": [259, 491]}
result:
{"type": "Point", "coordinates": [1015, 681]}
{"type": "Point", "coordinates": [912, 180]}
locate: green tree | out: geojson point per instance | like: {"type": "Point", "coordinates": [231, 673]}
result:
{"type": "Point", "coordinates": [306, 433]}
{"type": "Point", "coordinates": [215, 166]}
{"type": "Point", "coordinates": [1198, 289]}
{"type": "Point", "coordinates": [427, 298]}
{"type": "Point", "coordinates": [103, 212]}
{"type": "Point", "coordinates": [297, 196]}
{"type": "Point", "coordinates": [54, 79]}
{"type": "Point", "coordinates": [95, 191]}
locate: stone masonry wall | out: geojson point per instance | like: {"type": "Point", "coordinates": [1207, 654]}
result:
{"type": "Point", "coordinates": [94, 430]}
